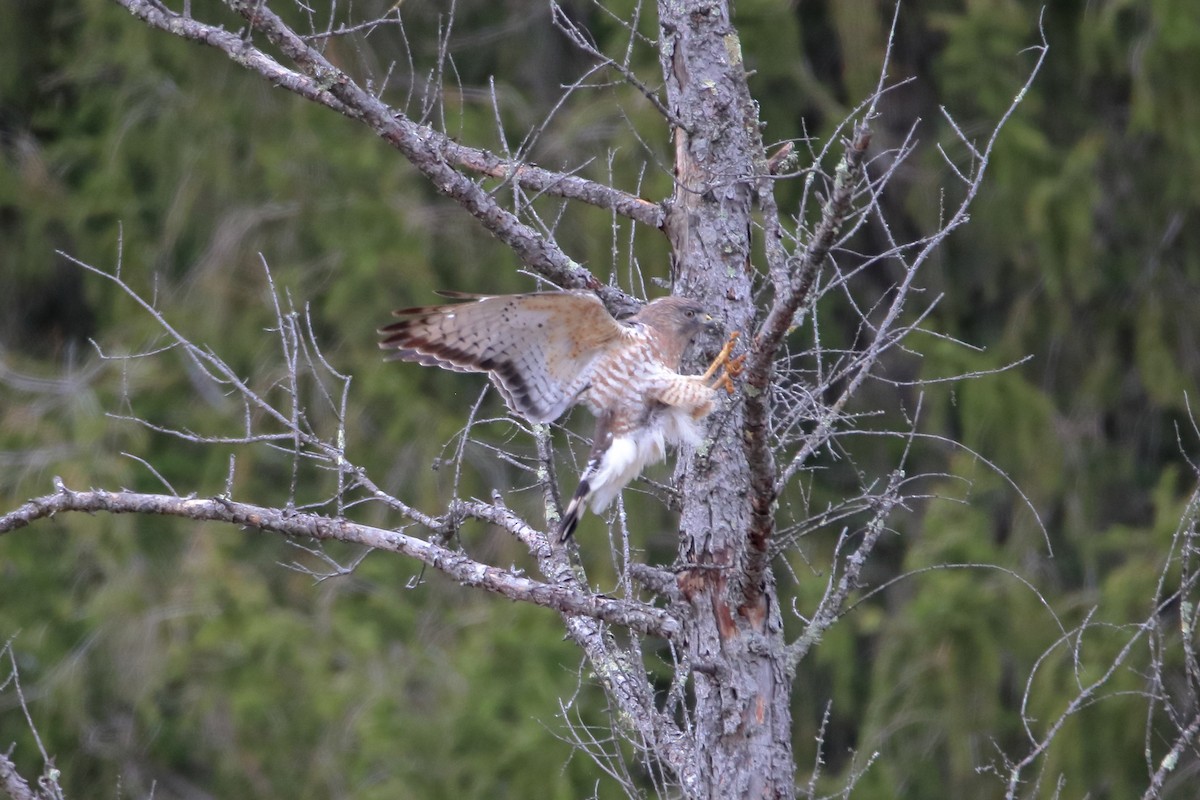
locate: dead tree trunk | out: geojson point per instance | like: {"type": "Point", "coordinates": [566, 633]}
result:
{"type": "Point", "coordinates": [734, 633]}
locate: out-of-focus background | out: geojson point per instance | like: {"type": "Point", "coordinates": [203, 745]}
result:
{"type": "Point", "coordinates": [188, 659]}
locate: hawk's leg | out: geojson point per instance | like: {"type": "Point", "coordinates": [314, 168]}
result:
{"type": "Point", "coordinates": [729, 368]}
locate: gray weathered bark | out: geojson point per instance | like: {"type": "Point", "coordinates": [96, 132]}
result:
{"type": "Point", "coordinates": [734, 633]}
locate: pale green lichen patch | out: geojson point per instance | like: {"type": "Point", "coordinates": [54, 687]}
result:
{"type": "Point", "coordinates": [733, 48]}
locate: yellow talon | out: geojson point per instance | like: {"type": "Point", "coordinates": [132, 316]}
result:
{"type": "Point", "coordinates": [732, 366]}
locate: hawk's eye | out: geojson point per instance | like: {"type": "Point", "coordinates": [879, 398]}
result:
{"type": "Point", "coordinates": [691, 313]}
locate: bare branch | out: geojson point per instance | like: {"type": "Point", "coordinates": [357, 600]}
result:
{"type": "Point", "coordinates": [836, 593]}
{"type": "Point", "coordinates": [1168, 763]}
{"type": "Point", "coordinates": [458, 566]}
{"type": "Point", "coordinates": [760, 367]}
{"type": "Point", "coordinates": [620, 670]}
{"type": "Point", "coordinates": [1183, 546]}
{"type": "Point", "coordinates": [556, 184]}
{"type": "Point", "coordinates": [577, 37]}
{"type": "Point", "coordinates": [802, 273]}
{"type": "Point", "coordinates": [796, 287]}
{"type": "Point", "coordinates": [428, 150]}
{"type": "Point", "coordinates": [13, 784]}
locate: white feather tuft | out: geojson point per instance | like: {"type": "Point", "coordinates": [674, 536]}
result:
{"type": "Point", "coordinates": [628, 455]}
{"type": "Point", "coordinates": [680, 427]}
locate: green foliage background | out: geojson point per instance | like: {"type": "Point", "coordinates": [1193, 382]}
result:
{"type": "Point", "coordinates": [187, 659]}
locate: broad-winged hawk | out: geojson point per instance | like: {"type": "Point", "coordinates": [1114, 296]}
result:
{"type": "Point", "coordinates": [547, 351]}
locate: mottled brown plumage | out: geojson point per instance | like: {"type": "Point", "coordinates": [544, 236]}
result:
{"type": "Point", "coordinates": [547, 351]}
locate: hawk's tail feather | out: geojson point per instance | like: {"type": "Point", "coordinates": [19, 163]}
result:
{"type": "Point", "coordinates": [575, 509]}
{"type": "Point", "coordinates": [601, 441]}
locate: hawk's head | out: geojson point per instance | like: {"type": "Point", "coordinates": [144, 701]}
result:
{"type": "Point", "coordinates": [678, 322]}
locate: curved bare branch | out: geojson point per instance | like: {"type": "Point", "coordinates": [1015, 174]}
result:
{"type": "Point", "coordinates": [458, 566]}
{"type": "Point", "coordinates": [428, 150]}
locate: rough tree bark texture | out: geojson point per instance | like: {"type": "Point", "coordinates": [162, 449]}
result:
{"type": "Point", "coordinates": [734, 633]}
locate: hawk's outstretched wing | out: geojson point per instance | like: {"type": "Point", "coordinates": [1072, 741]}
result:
{"type": "Point", "coordinates": [539, 348]}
